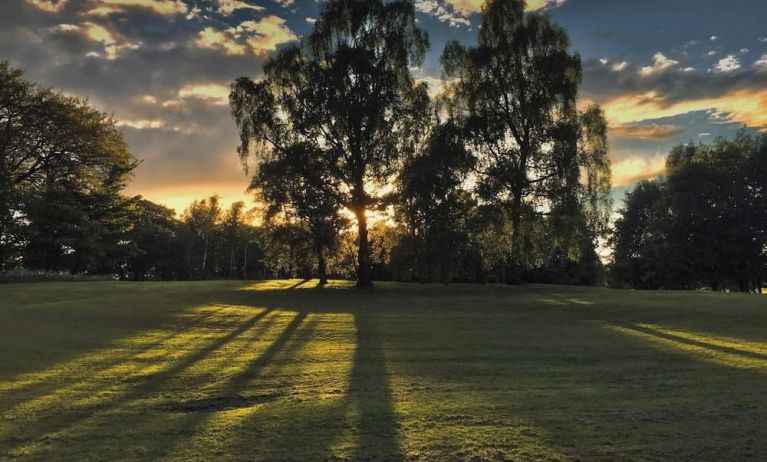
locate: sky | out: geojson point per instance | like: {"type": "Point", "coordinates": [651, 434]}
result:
{"type": "Point", "coordinates": [665, 71]}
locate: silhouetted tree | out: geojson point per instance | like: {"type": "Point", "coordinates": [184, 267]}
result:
{"type": "Point", "coordinates": [199, 234]}
{"type": "Point", "coordinates": [702, 226]}
{"type": "Point", "coordinates": [294, 184]}
{"type": "Point", "coordinates": [433, 207]}
{"type": "Point", "coordinates": [345, 90]}
{"type": "Point", "coordinates": [515, 94]}
{"type": "Point", "coordinates": [153, 236]}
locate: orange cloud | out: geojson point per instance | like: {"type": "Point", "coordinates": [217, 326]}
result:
{"type": "Point", "coordinates": [162, 7]}
{"type": "Point", "coordinates": [747, 106]}
{"type": "Point", "coordinates": [51, 6]}
{"type": "Point", "coordinates": [212, 92]}
{"type": "Point", "coordinates": [637, 168]}
{"type": "Point", "coordinates": [646, 132]}
{"type": "Point", "coordinates": [100, 34]}
{"type": "Point", "coordinates": [259, 37]}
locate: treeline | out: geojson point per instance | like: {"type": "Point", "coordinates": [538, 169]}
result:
{"type": "Point", "coordinates": [702, 226]}
{"type": "Point", "coordinates": [359, 173]}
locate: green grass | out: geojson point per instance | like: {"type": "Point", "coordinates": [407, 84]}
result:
{"type": "Point", "coordinates": [285, 371]}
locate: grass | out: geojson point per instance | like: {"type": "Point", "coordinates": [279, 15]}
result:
{"type": "Point", "coordinates": [285, 371]}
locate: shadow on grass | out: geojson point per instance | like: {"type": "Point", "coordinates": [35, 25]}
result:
{"type": "Point", "coordinates": [699, 343]}
{"type": "Point", "coordinates": [85, 429]}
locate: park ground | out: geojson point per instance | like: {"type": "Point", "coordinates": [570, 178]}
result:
{"type": "Point", "coordinates": [283, 370]}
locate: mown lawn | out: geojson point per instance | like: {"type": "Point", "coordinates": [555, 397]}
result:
{"type": "Point", "coordinates": [285, 371]}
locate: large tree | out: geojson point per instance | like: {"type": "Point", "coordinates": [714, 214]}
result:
{"type": "Point", "coordinates": [703, 225]}
{"type": "Point", "coordinates": [60, 157]}
{"type": "Point", "coordinates": [346, 91]}
{"type": "Point", "coordinates": [515, 93]}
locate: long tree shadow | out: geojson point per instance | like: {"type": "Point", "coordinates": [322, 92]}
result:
{"type": "Point", "coordinates": [370, 392]}
{"type": "Point", "coordinates": [146, 386]}
{"type": "Point", "coordinates": [360, 424]}
{"type": "Point", "coordinates": [644, 329]}
{"type": "Point", "coordinates": [240, 391]}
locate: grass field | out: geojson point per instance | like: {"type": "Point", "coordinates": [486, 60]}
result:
{"type": "Point", "coordinates": [285, 371]}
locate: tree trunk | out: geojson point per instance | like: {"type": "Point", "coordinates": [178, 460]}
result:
{"type": "Point", "coordinates": [244, 261]}
{"type": "Point", "coordinates": [321, 265]}
{"type": "Point", "coordinates": [204, 258]}
{"type": "Point", "coordinates": [364, 278]}
{"type": "Point", "coordinates": [515, 270]}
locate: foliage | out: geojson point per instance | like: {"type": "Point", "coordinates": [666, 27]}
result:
{"type": "Point", "coordinates": [62, 167]}
{"type": "Point", "coordinates": [515, 95]}
{"type": "Point", "coordinates": [346, 94]}
{"type": "Point", "coordinates": [703, 226]}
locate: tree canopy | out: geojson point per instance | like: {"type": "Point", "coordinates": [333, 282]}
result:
{"type": "Point", "coordinates": [345, 93]}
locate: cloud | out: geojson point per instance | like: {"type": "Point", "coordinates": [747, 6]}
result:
{"type": "Point", "coordinates": [112, 47]}
{"type": "Point", "coordinates": [646, 131]}
{"type": "Point", "coordinates": [729, 63]}
{"type": "Point", "coordinates": [457, 12]}
{"type": "Point", "coordinates": [161, 7]}
{"type": "Point", "coordinates": [761, 63]}
{"type": "Point", "coordinates": [636, 168]}
{"type": "Point", "coordinates": [748, 106]}
{"type": "Point", "coordinates": [257, 37]}
{"type": "Point", "coordinates": [50, 6]}
{"type": "Point", "coordinates": [218, 40]}
{"type": "Point", "coordinates": [228, 7]}
{"type": "Point", "coordinates": [617, 67]}
{"type": "Point", "coordinates": [445, 13]}
{"type": "Point", "coordinates": [210, 92]}
{"type": "Point", "coordinates": [660, 64]}
{"type": "Point", "coordinates": [141, 124]}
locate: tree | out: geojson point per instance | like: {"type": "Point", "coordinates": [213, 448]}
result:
{"type": "Point", "coordinates": [702, 226]}
{"type": "Point", "coordinates": [515, 94]}
{"type": "Point", "coordinates": [60, 157]}
{"type": "Point", "coordinates": [236, 237]}
{"type": "Point", "coordinates": [637, 232]}
{"type": "Point", "coordinates": [293, 184]}
{"type": "Point", "coordinates": [198, 233]}
{"type": "Point", "coordinates": [433, 207]}
{"type": "Point", "coordinates": [346, 91]}
{"type": "Point", "coordinates": [154, 240]}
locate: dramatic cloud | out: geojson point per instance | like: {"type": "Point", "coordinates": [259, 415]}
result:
{"type": "Point", "coordinates": [162, 7]}
{"type": "Point", "coordinates": [727, 64]}
{"type": "Point", "coordinates": [660, 64]}
{"type": "Point", "coordinates": [163, 68]}
{"type": "Point", "coordinates": [761, 63]}
{"type": "Point", "coordinates": [646, 132]}
{"type": "Point", "coordinates": [230, 6]}
{"type": "Point", "coordinates": [637, 168]}
{"type": "Point", "coordinates": [457, 12]}
{"type": "Point", "coordinates": [256, 37]}
{"type": "Point", "coordinates": [51, 6]}
{"type": "Point", "coordinates": [99, 34]}
{"type": "Point", "coordinates": [745, 106]}
{"type": "Point", "coordinates": [211, 92]}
